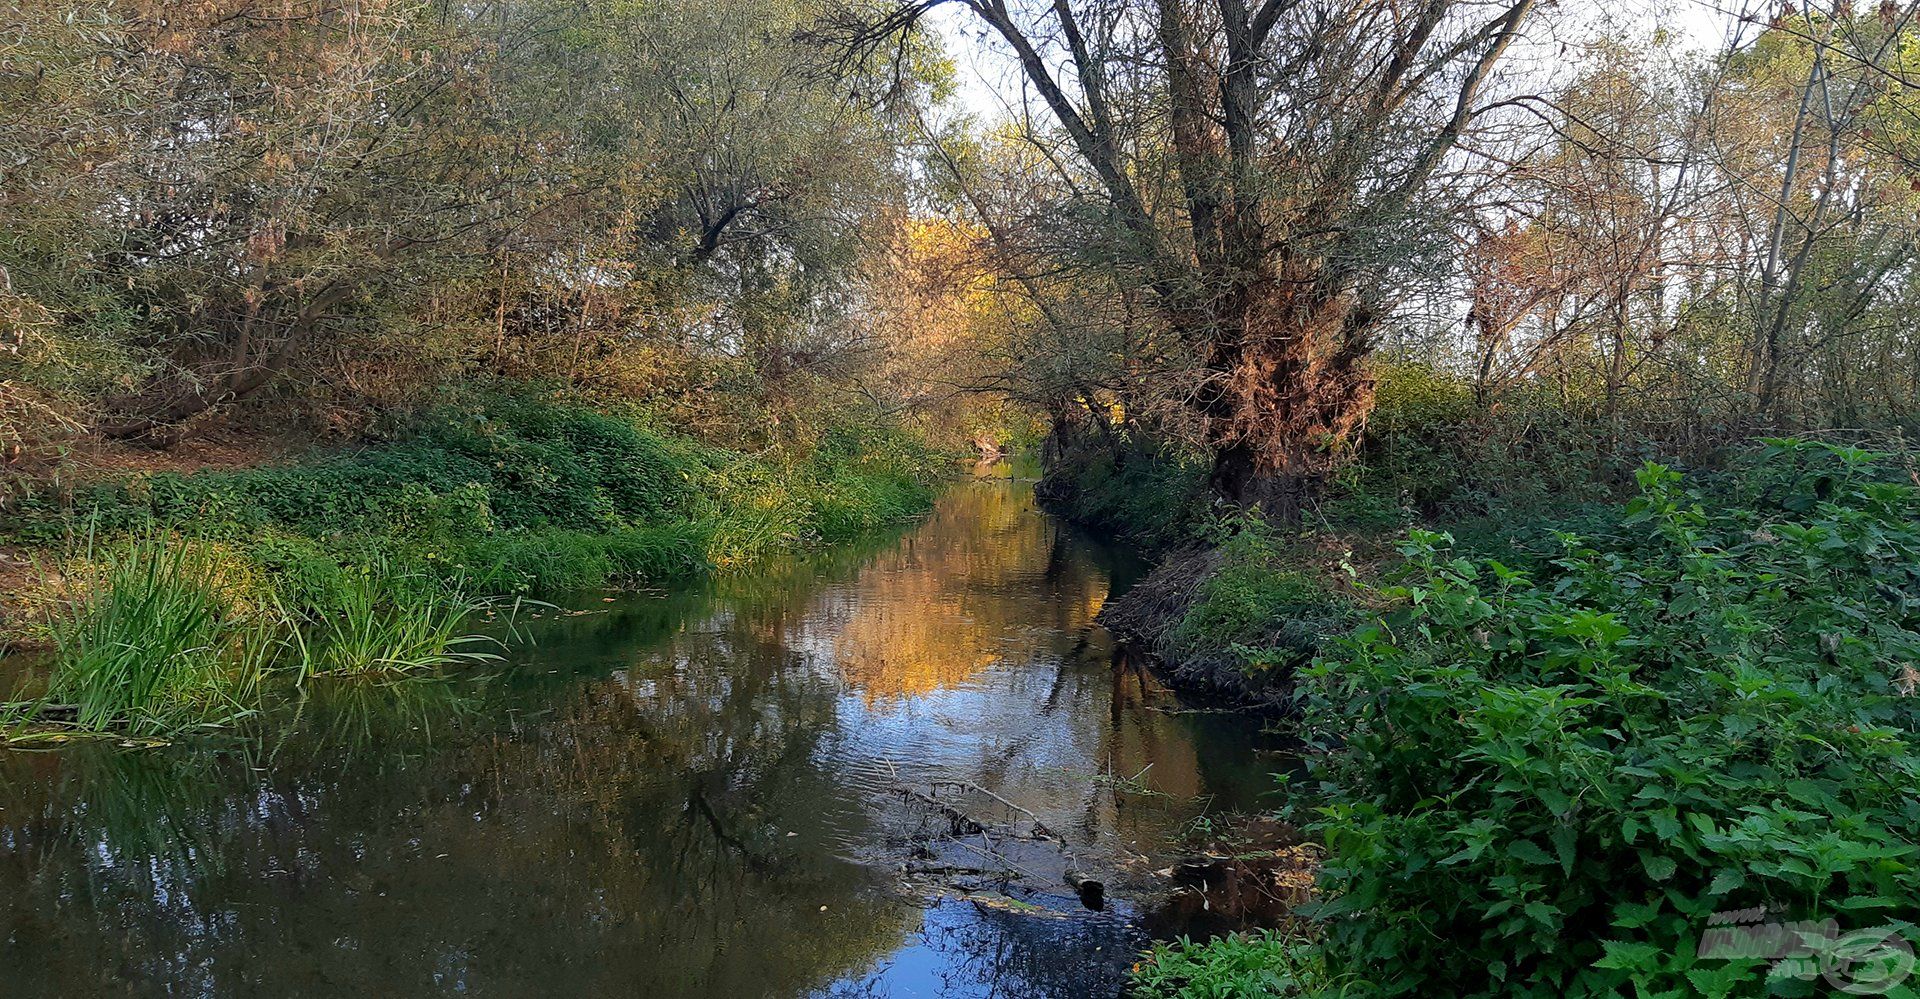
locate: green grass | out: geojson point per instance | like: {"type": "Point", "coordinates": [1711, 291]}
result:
{"type": "Point", "coordinates": [392, 621]}
{"type": "Point", "coordinates": [157, 648]}
{"type": "Point", "coordinates": [1261, 604]}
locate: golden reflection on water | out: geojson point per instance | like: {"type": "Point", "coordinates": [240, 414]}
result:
{"type": "Point", "coordinates": [925, 617]}
{"type": "Point", "coordinates": [671, 795]}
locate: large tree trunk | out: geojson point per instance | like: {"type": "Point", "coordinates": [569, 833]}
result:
{"type": "Point", "coordinates": [1289, 389]}
{"type": "Point", "coordinates": [1238, 478]}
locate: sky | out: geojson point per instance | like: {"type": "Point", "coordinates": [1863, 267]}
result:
{"type": "Point", "coordinates": [988, 79]}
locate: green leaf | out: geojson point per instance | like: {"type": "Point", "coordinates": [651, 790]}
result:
{"type": "Point", "coordinates": [1629, 956]}
{"type": "Point", "coordinates": [1528, 851]}
{"type": "Point", "coordinates": [1660, 867]}
{"type": "Point", "coordinates": [1726, 879]}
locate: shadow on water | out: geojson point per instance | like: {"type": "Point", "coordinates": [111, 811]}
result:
{"type": "Point", "coordinates": [710, 793]}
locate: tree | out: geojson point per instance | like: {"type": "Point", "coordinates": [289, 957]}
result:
{"type": "Point", "coordinates": [1259, 169]}
{"type": "Point", "coordinates": [206, 200]}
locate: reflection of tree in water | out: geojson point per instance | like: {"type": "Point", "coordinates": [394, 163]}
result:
{"type": "Point", "coordinates": [646, 803]}
{"type": "Point", "coordinates": [632, 841]}
{"type": "Point", "coordinates": [984, 579]}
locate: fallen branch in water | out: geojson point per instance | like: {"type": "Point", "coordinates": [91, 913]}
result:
{"type": "Point", "coordinates": [944, 870]}
{"type": "Point", "coordinates": [963, 824]}
{"type": "Point", "coordinates": [1040, 830]}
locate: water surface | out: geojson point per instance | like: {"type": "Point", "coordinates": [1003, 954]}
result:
{"type": "Point", "coordinates": [744, 791]}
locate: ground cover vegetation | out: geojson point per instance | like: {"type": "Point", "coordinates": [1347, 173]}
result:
{"type": "Point", "coordinates": [184, 591]}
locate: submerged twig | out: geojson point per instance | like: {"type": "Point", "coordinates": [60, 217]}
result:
{"type": "Point", "coordinates": [1040, 830]}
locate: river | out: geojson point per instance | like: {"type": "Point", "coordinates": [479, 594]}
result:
{"type": "Point", "coordinates": [859, 773]}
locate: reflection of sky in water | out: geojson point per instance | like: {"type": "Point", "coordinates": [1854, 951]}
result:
{"type": "Point", "coordinates": [962, 950]}
{"type": "Point", "coordinates": [682, 794]}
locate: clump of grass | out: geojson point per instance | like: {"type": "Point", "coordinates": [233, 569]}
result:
{"type": "Point", "coordinates": [157, 647]}
{"type": "Point", "coordinates": [393, 621]}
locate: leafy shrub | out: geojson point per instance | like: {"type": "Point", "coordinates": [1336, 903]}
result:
{"type": "Point", "coordinates": [307, 576]}
{"type": "Point", "coordinates": [1238, 966]}
{"type": "Point", "coordinates": [1547, 783]}
{"type": "Point", "coordinates": [508, 464]}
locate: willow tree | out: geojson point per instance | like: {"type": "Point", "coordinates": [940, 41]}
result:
{"type": "Point", "coordinates": [204, 203]}
{"type": "Point", "coordinates": [1261, 166]}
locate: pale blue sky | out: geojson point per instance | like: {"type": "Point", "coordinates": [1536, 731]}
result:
{"type": "Point", "coordinates": [989, 80]}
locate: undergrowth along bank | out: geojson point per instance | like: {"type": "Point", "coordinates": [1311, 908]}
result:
{"type": "Point", "coordinates": [1555, 776]}
{"type": "Point", "coordinates": [376, 559]}
{"type": "Point", "coordinates": [1240, 601]}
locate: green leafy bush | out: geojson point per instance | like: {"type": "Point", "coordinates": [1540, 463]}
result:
{"type": "Point", "coordinates": [1432, 449]}
{"type": "Point", "coordinates": [1548, 782]}
{"type": "Point", "coordinates": [514, 495]}
{"type": "Point", "coordinates": [505, 464]}
{"type": "Point", "coordinates": [307, 575]}
{"type": "Point", "coordinates": [1238, 966]}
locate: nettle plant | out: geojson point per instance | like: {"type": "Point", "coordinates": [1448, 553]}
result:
{"type": "Point", "coordinates": [1559, 781]}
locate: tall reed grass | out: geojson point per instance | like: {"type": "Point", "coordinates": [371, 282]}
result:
{"type": "Point", "coordinates": [157, 647]}
{"type": "Point", "coordinates": [394, 621]}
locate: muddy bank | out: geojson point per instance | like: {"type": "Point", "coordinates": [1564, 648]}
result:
{"type": "Point", "coordinates": [1226, 622]}
{"type": "Point", "coordinates": [1147, 616]}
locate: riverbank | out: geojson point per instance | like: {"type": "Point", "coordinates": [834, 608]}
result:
{"type": "Point", "coordinates": [1544, 754]}
{"type": "Point", "coordinates": [1233, 604]}
{"type": "Point", "coordinates": [1237, 602]}
{"type": "Point", "coordinates": [374, 558]}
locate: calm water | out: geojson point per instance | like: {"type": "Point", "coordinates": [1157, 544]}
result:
{"type": "Point", "coordinates": [733, 793]}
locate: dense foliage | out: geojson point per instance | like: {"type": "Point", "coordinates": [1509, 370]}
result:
{"type": "Point", "coordinates": [328, 210]}
{"type": "Point", "coordinates": [512, 494]}
{"type": "Point", "coordinates": [1268, 610]}
{"type": "Point", "coordinates": [1264, 963]}
{"type": "Point", "coordinates": [1709, 708]}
